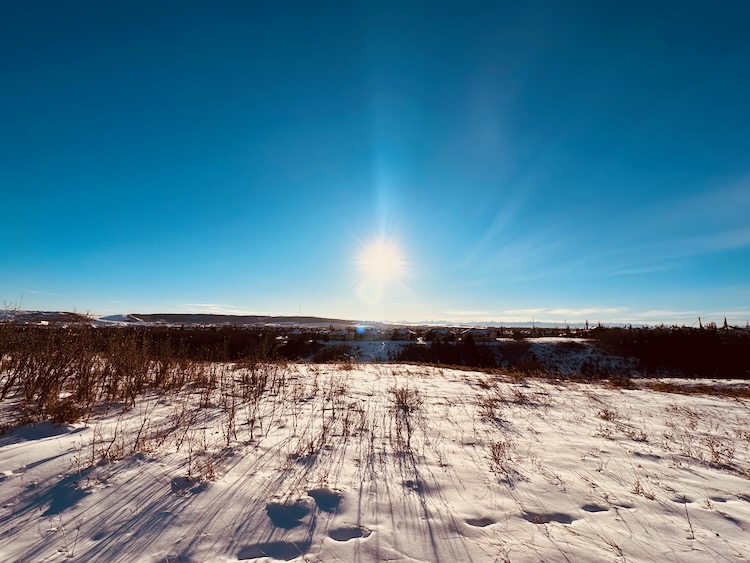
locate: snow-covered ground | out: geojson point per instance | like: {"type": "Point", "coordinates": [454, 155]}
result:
{"type": "Point", "coordinates": [384, 463]}
{"type": "Point", "coordinates": [571, 355]}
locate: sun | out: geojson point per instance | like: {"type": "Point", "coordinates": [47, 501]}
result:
{"type": "Point", "coordinates": [381, 261]}
{"type": "Point", "coordinates": [382, 269]}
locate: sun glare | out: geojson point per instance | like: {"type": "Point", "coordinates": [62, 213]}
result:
{"type": "Point", "coordinates": [381, 260]}
{"type": "Point", "coordinates": [380, 265]}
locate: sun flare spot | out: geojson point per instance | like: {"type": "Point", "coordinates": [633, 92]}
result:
{"type": "Point", "coordinates": [381, 264]}
{"type": "Point", "coordinates": [381, 260]}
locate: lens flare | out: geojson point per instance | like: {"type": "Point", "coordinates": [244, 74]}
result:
{"type": "Point", "coordinates": [380, 264]}
{"type": "Point", "coordinates": [381, 260]}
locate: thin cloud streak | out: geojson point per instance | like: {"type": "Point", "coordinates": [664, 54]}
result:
{"type": "Point", "coordinates": [608, 315]}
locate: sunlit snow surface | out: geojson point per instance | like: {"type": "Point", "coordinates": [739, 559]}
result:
{"type": "Point", "coordinates": [333, 472]}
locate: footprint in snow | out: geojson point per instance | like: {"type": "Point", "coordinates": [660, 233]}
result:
{"type": "Point", "coordinates": [283, 550]}
{"type": "Point", "coordinates": [547, 517]}
{"type": "Point", "coordinates": [417, 486]}
{"type": "Point", "coordinates": [481, 522]}
{"type": "Point", "coordinates": [349, 533]}
{"type": "Point", "coordinates": [288, 515]}
{"type": "Point", "coordinates": [326, 499]}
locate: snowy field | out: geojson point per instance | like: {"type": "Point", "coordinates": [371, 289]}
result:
{"type": "Point", "coordinates": [383, 463]}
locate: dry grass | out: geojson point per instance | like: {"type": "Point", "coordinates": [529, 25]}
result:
{"type": "Point", "coordinates": [698, 389]}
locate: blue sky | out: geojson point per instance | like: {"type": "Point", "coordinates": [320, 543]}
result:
{"type": "Point", "coordinates": [559, 161]}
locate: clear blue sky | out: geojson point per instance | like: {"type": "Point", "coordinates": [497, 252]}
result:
{"type": "Point", "coordinates": [555, 160]}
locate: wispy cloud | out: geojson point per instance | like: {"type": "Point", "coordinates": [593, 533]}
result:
{"type": "Point", "coordinates": [609, 311]}
{"type": "Point", "coordinates": [717, 241]}
{"type": "Point", "coordinates": [660, 315]}
{"type": "Point", "coordinates": [713, 220]}
{"type": "Point", "coordinates": [667, 235]}
{"type": "Point", "coordinates": [644, 269]}
{"type": "Point", "coordinates": [595, 314]}
{"type": "Point", "coordinates": [37, 292]}
{"type": "Point", "coordinates": [675, 253]}
{"type": "Point", "coordinates": [528, 313]}
{"type": "Point", "coordinates": [684, 317]}
{"type": "Point", "coordinates": [662, 237]}
{"type": "Point", "coordinates": [540, 314]}
{"type": "Point", "coordinates": [564, 314]}
{"type": "Point", "coordinates": [469, 314]}
{"type": "Point", "coordinates": [727, 204]}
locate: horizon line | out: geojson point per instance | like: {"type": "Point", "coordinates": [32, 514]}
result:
{"type": "Point", "coordinates": [699, 320]}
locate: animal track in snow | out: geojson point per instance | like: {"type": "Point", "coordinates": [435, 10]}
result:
{"type": "Point", "coordinates": [547, 517]}
{"type": "Point", "coordinates": [417, 486]}
{"type": "Point", "coordinates": [283, 550]}
{"type": "Point", "coordinates": [592, 507]}
{"type": "Point", "coordinates": [326, 499]}
{"type": "Point", "coordinates": [289, 514]}
{"type": "Point", "coordinates": [349, 533]}
{"type": "Point", "coordinates": [481, 522]}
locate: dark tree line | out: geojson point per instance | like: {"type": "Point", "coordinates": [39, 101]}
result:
{"type": "Point", "coordinates": [464, 353]}
{"type": "Point", "coordinates": [706, 352]}
{"type": "Point", "coordinates": [189, 343]}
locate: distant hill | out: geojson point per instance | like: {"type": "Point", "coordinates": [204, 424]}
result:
{"type": "Point", "coordinates": [59, 317]}
{"type": "Point", "coordinates": [44, 317]}
{"type": "Point", "coordinates": [237, 320]}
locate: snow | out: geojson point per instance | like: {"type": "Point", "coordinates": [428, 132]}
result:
{"type": "Point", "coordinates": [371, 462]}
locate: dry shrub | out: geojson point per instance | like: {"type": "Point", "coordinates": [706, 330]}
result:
{"type": "Point", "coordinates": [406, 402]}
{"type": "Point", "coordinates": [735, 392]}
{"type": "Point", "coordinates": [489, 406]}
{"type": "Point", "coordinates": [610, 415]}
{"type": "Point", "coordinates": [500, 457]}
{"type": "Point", "coordinates": [405, 399]}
